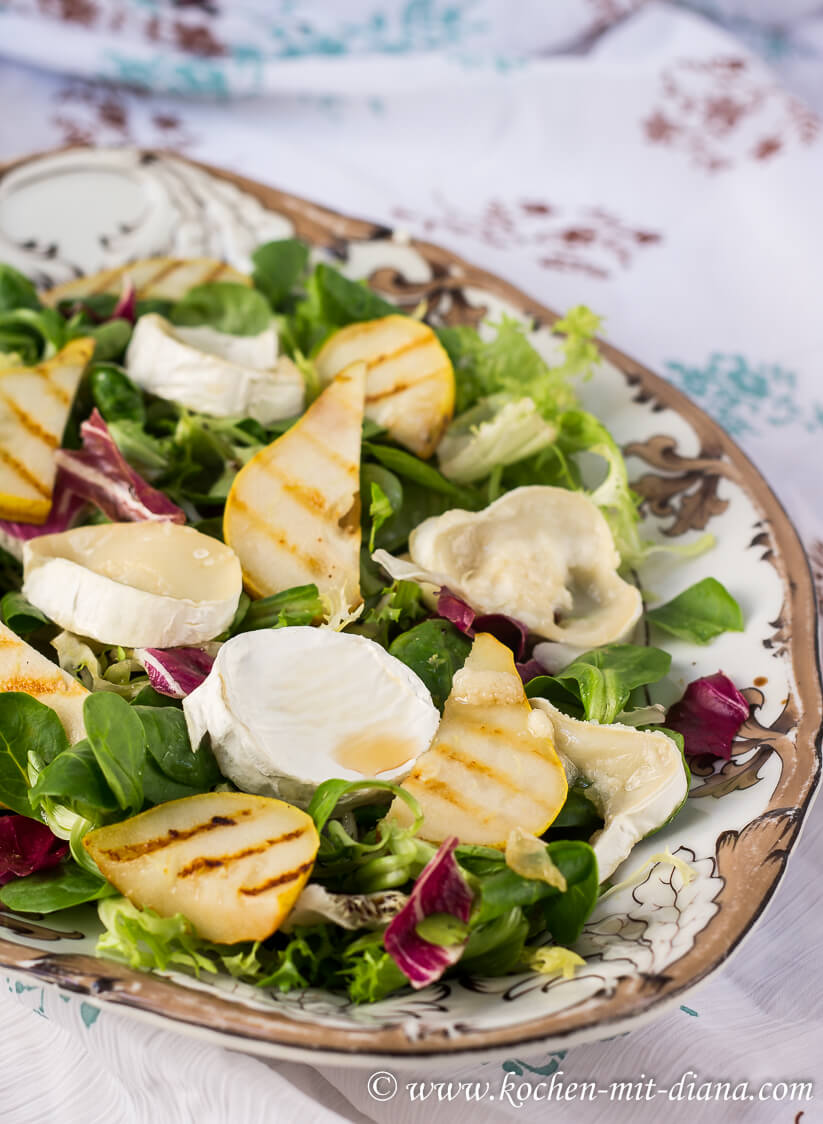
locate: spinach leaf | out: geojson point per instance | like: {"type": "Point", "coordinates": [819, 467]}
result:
{"type": "Point", "coordinates": [578, 818]}
{"type": "Point", "coordinates": [278, 266]}
{"type": "Point", "coordinates": [159, 788]}
{"type": "Point", "coordinates": [16, 291]}
{"type": "Point", "coordinates": [300, 605]}
{"type": "Point", "coordinates": [603, 679]}
{"type": "Point", "coordinates": [227, 306]}
{"type": "Point", "coordinates": [495, 948]}
{"type": "Point", "coordinates": [411, 467]}
{"type": "Point", "coordinates": [115, 733]}
{"type": "Point", "coordinates": [147, 696]}
{"type": "Point", "coordinates": [435, 650]}
{"type": "Point", "coordinates": [502, 889]}
{"type": "Point", "coordinates": [31, 333]}
{"type": "Point", "coordinates": [566, 914]}
{"type": "Point", "coordinates": [698, 614]}
{"type": "Point", "coordinates": [342, 301]}
{"type": "Point", "coordinates": [115, 395]}
{"type": "Point", "coordinates": [20, 615]}
{"type": "Point", "coordinates": [61, 887]}
{"type": "Point", "coordinates": [110, 339]}
{"type": "Point", "coordinates": [75, 779]}
{"type": "Point", "coordinates": [25, 723]}
{"type": "Point", "coordinates": [168, 746]}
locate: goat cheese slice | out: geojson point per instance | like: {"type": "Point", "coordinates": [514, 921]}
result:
{"type": "Point", "coordinates": [214, 372]}
{"type": "Point", "coordinates": [541, 554]}
{"type": "Point", "coordinates": [289, 708]}
{"type": "Point", "coordinates": [142, 585]}
{"type": "Point", "coordinates": [638, 779]}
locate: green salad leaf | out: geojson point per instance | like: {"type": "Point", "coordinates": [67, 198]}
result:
{"type": "Point", "coordinates": [31, 334]}
{"type": "Point", "coordinates": [278, 266]}
{"type": "Point", "coordinates": [300, 605]}
{"type": "Point", "coordinates": [601, 681]}
{"type": "Point", "coordinates": [20, 615]}
{"type": "Point", "coordinates": [16, 291]}
{"type": "Point", "coordinates": [115, 734]}
{"type": "Point", "coordinates": [25, 724]}
{"type": "Point", "coordinates": [75, 778]}
{"type": "Point", "coordinates": [115, 395]}
{"type": "Point", "coordinates": [61, 887]}
{"type": "Point", "coordinates": [435, 650]}
{"type": "Point", "coordinates": [169, 751]}
{"type": "Point", "coordinates": [700, 613]}
{"type": "Point", "coordinates": [226, 306]}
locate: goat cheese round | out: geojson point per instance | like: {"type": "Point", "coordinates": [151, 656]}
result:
{"type": "Point", "coordinates": [141, 585]}
{"type": "Point", "coordinates": [541, 554]}
{"type": "Point", "coordinates": [289, 708]}
{"type": "Point", "coordinates": [214, 372]}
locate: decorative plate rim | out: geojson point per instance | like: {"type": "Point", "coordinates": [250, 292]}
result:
{"type": "Point", "coordinates": [635, 1000]}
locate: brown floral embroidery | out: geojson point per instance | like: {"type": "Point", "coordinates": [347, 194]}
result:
{"type": "Point", "coordinates": [590, 240]}
{"type": "Point", "coordinates": [723, 111]}
{"type": "Point", "coordinates": [98, 113]}
{"type": "Point", "coordinates": [84, 12]}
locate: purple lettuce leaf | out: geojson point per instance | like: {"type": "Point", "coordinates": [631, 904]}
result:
{"type": "Point", "coordinates": [126, 307]}
{"type": "Point", "coordinates": [530, 669]}
{"type": "Point", "coordinates": [175, 671]}
{"type": "Point", "coordinates": [100, 474]}
{"type": "Point", "coordinates": [27, 845]}
{"type": "Point", "coordinates": [507, 630]}
{"type": "Point", "coordinates": [709, 716]}
{"type": "Point", "coordinates": [440, 888]}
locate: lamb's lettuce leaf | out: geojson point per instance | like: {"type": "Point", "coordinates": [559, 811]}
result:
{"type": "Point", "coordinates": [700, 613]}
{"type": "Point", "coordinates": [226, 306]}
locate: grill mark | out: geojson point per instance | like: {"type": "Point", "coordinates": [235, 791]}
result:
{"type": "Point", "coordinates": [310, 498]}
{"type": "Point", "coordinates": [212, 862]}
{"type": "Point", "coordinates": [474, 765]}
{"type": "Point", "coordinates": [24, 474]}
{"type": "Point", "coordinates": [30, 424]}
{"type": "Point", "coordinates": [404, 349]}
{"type": "Point", "coordinates": [136, 850]}
{"type": "Point", "coordinates": [169, 265]}
{"type": "Point", "coordinates": [402, 387]}
{"type": "Point", "coordinates": [314, 565]}
{"type": "Point", "coordinates": [37, 686]}
{"type": "Point", "coordinates": [105, 279]}
{"type": "Point", "coordinates": [280, 880]}
{"type": "Point", "coordinates": [216, 270]}
{"type": "Point", "coordinates": [489, 731]}
{"type": "Point", "coordinates": [331, 454]}
{"type": "Point", "coordinates": [446, 793]}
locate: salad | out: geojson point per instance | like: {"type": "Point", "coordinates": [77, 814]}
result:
{"type": "Point", "coordinates": [323, 660]}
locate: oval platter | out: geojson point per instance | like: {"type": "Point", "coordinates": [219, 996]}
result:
{"type": "Point", "coordinates": [644, 946]}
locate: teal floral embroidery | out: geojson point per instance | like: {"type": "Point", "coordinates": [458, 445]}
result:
{"type": "Point", "coordinates": [743, 397]}
{"type": "Point", "coordinates": [89, 1014]}
{"type": "Point", "coordinates": [518, 1068]}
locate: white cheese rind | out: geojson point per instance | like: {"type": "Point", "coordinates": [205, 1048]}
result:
{"type": "Point", "coordinates": [541, 554]}
{"type": "Point", "coordinates": [127, 583]}
{"type": "Point", "coordinates": [637, 779]}
{"type": "Point", "coordinates": [213, 372]}
{"type": "Point", "coordinates": [281, 705]}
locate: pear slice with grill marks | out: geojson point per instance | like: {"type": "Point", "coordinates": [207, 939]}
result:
{"type": "Point", "coordinates": [410, 385]}
{"type": "Point", "coordinates": [492, 765]}
{"type": "Point", "coordinates": [233, 864]}
{"type": "Point", "coordinates": [293, 512]}
{"type": "Point", "coordinates": [34, 406]}
{"type": "Point", "coordinates": [23, 668]}
{"type": "Point", "coordinates": [158, 278]}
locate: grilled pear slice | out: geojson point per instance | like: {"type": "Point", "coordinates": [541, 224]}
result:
{"type": "Point", "coordinates": [233, 864]}
{"type": "Point", "coordinates": [293, 512]}
{"type": "Point", "coordinates": [410, 385]}
{"type": "Point", "coordinates": [159, 278]}
{"type": "Point", "coordinates": [492, 765]}
{"type": "Point", "coordinates": [34, 407]}
{"type": "Point", "coordinates": [23, 668]}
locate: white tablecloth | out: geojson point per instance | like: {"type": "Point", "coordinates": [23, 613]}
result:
{"type": "Point", "coordinates": [636, 157]}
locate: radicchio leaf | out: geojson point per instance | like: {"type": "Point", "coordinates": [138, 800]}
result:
{"type": "Point", "coordinates": [709, 716]}
{"type": "Point", "coordinates": [440, 888]}
{"type": "Point", "coordinates": [26, 846]}
{"type": "Point", "coordinates": [126, 307]}
{"type": "Point", "coordinates": [100, 474]}
{"type": "Point", "coordinates": [65, 507]}
{"type": "Point", "coordinates": [175, 671]}
{"type": "Point", "coordinates": [507, 630]}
